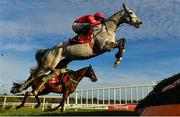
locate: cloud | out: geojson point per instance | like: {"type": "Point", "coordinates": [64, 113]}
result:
{"type": "Point", "coordinates": [22, 47]}
{"type": "Point", "coordinates": [160, 18]}
{"type": "Point", "coordinates": [30, 25]}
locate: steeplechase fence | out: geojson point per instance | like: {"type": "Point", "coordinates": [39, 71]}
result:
{"type": "Point", "coordinates": [98, 98]}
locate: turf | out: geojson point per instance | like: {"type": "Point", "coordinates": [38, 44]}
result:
{"type": "Point", "coordinates": [85, 112]}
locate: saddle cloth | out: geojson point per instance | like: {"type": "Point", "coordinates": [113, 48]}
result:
{"type": "Point", "coordinates": [56, 78]}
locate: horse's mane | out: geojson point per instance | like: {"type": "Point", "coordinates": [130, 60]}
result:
{"type": "Point", "coordinates": [159, 97]}
{"type": "Point", "coordinates": [32, 69]}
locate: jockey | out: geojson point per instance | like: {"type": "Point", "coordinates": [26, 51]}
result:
{"type": "Point", "coordinates": [62, 72]}
{"type": "Point", "coordinates": [54, 73]}
{"type": "Point", "coordinates": [83, 25]}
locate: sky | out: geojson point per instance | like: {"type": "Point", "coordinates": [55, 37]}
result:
{"type": "Point", "coordinates": [152, 51]}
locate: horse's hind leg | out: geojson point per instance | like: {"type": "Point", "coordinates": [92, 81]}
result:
{"type": "Point", "coordinates": [24, 99]}
{"type": "Point", "coordinates": [36, 73]}
{"type": "Point", "coordinates": [36, 93]}
{"type": "Point", "coordinates": [64, 98]}
{"type": "Point", "coordinates": [38, 101]}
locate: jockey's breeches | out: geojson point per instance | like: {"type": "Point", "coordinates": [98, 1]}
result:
{"type": "Point", "coordinates": [81, 28]}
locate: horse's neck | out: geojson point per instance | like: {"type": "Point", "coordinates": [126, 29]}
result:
{"type": "Point", "coordinates": [80, 74]}
{"type": "Point", "coordinates": [115, 20]}
{"type": "Point", "coordinates": [112, 22]}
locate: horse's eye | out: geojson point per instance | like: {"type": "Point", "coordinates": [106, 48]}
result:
{"type": "Point", "coordinates": [130, 13]}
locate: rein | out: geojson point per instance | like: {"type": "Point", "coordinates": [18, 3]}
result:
{"type": "Point", "coordinates": [91, 42]}
{"type": "Point", "coordinates": [114, 21]}
{"type": "Point", "coordinates": [74, 81]}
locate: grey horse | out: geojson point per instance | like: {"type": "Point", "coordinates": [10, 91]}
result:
{"type": "Point", "coordinates": [104, 40]}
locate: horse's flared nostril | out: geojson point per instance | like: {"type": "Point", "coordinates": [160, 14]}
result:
{"type": "Point", "coordinates": [94, 80]}
{"type": "Point", "coordinates": [140, 22]}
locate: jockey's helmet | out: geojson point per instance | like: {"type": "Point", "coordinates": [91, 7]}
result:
{"type": "Point", "coordinates": [99, 15]}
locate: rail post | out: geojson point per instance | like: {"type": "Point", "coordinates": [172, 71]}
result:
{"type": "Point", "coordinates": [131, 95]}
{"type": "Point", "coordinates": [114, 96]}
{"type": "Point", "coordinates": [120, 95]}
{"type": "Point", "coordinates": [43, 107]}
{"type": "Point", "coordinates": [125, 91]}
{"type": "Point", "coordinates": [87, 98]}
{"type": "Point", "coordinates": [92, 97]}
{"type": "Point", "coordinates": [98, 97]}
{"type": "Point", "coordinates": [76, 98]}
{"type": "Point", "coordinates": [109, 97]}
{"type": "Point", "coordinates": [137, 95]}
{"type": "Point", "coordinates": [103, 96]}
{"type": "Point", "coordinates": [81, 99]}
{"type": "Point", "coordinates": [4, 103]}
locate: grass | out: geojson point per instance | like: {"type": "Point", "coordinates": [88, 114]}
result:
{"type": "Point", "coordinates": [84, 112]}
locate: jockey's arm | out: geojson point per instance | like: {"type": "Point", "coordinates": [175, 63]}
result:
{"type": "Point", "coordinates": [93, 21]}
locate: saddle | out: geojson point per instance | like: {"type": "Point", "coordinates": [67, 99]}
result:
{"type": "Point", "coordinates": [81, 38]}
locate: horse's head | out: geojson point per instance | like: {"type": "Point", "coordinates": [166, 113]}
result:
{"type": "Point", "coordinates": [131, 18]}
{"type": "Point", "coordinates": [91, 74]}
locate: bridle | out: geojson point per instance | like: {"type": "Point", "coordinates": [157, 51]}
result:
{"type": "Point", "coordinates": [90, 72]}
{"type": "Point", "coordinates": [117, 22]}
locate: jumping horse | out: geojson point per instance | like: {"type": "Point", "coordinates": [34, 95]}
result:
{"type": "Point", "coordinates": [103, 40]}
{"type": "Point", "coordinates": [66, 87]}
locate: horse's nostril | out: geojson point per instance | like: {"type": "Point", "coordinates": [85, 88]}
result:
{"type": "Point", "coordinates": [140, 22]}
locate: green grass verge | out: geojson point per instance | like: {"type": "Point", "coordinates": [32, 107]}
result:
{"type": "Point", "coordinates": [85, 112]}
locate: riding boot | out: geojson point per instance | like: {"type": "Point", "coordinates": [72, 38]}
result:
{"type": "Point", "coordinates": [74, 40]}
{"type": "Point", "coordinates": [44, 81]}
{"type": "Point", "coordinates": [60, 78]}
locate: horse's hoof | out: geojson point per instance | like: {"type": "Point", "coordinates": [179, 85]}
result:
{"type": "Point", "coordinates": [36, 106]}
{"type": "Point", "coordinates": [116, 64]}
{"type": "Point", "coordinates": [47, 110]}
{"type": "Point", "coordinates": [53, 109]}
{"type": "Point", "coordinates": [7, 108]}
{"type": "Point", "coordinates": [18, 107]}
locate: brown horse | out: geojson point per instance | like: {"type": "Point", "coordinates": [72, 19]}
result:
{"type": "Point", "coordinates": [67, 86]}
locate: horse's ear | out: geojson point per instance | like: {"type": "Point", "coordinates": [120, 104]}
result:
{"type": "Point", "coordinates": [125, 7]}
{"type": "Point", "coordinates": [90, 66]}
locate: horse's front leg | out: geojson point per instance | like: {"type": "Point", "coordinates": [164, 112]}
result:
{"type": "Point", "coordinates": [38, 101]}
{"type": "Point", "coordinates": [120, 44]}
{"type": "Point", "coordinates": [109, 45]}
{"type": "Point", "coordinates": [53, 109]}
{"type": "Point", "coordinates": [64, 99]}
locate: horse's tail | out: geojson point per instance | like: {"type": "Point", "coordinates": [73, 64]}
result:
{"type": "Point", "coordinates": [19, 87]}
{"type": "Point", "coordinates": [39, 54]}
{"type": "Point", "coordinates": [16, 88]}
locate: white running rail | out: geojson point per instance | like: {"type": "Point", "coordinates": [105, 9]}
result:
{"type": "Point", "coordinates": [98, 98]}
